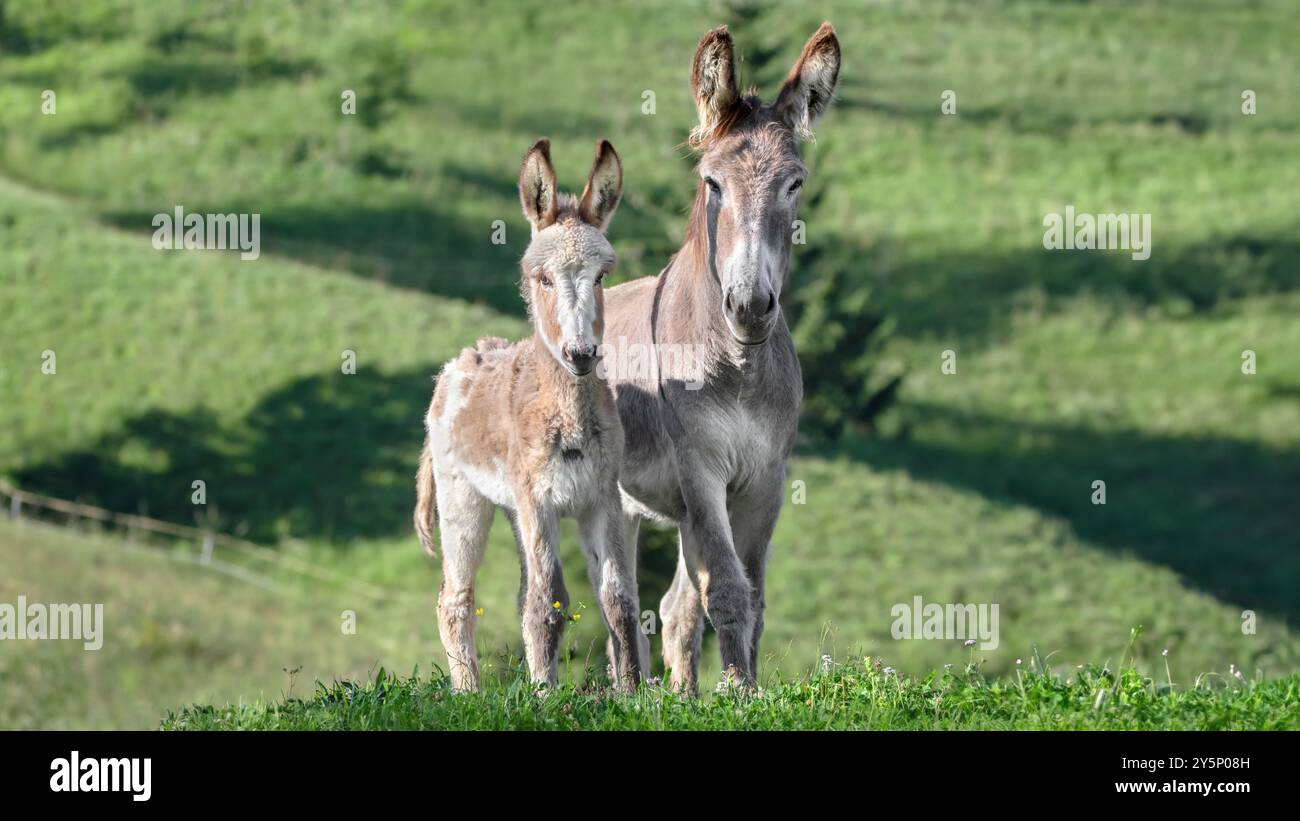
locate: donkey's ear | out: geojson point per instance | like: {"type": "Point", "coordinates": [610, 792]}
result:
{"type": "Point", "coordinates": [713, 82]}
{"type": "Point", "coordinates": [809, 86]}
{"type": "Point", "coordinates": [537, 191]}
{"type": "Point", "coordinates": [604, 187]}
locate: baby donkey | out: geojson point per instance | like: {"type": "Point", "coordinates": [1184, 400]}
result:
{"type": "Point", "coordinates": [532, 428]}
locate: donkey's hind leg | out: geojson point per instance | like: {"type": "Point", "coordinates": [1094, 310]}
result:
{"type": "Point", "coordinates": [631, 527]}
{"type": "Point", "coordinates": [682, 611]}
{"type": "Point", "coordinates": [466, 518]}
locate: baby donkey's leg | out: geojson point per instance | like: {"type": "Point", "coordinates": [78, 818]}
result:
{"type": "Point", "coordinates": [464, 526]}
{"type": "Point", "coordinates": [544, 596]}
{"type": "Point", "coordinates": [613, 564]}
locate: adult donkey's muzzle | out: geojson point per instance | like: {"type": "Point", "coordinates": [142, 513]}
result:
{"type": "Point", "coordinates": [750, 312]}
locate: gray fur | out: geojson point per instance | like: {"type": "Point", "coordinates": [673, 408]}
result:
{"type": "Point", "coordinates": [712, 460]}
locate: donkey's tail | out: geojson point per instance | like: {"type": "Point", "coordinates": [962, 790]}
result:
{"type": "Point", "coordinates": [426, 501]}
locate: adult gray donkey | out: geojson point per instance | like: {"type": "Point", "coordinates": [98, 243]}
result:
{"type": "Point", "coordinates": [711, 421]}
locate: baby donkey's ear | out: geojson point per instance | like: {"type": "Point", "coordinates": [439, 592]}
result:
{"type": "Point", "coordinates": [537, 193]}
{"type": "Point", "coordinates": [604, 187]}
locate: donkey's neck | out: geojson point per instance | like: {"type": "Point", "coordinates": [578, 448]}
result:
{"type": "Point", "coordinates": [571, 399]}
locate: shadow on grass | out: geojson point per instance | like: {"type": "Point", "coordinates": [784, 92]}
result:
{"type": "Point", "coordinates": [972, 294]}
{"type": "Point", "coordinates": [530, 121]}
{"type": "Point", "coordinates": [407, 244]}
{"type": "Point", "coordinates": [160, 81]}
{"type": "Point", "coordinates": [328, 457]}
{"type": "Point", "coordinates": [412, 244]}
{"type": "Point", "coordinates": [1028, 119]}
{"type": "Point", "coordinates": [1221, 513]}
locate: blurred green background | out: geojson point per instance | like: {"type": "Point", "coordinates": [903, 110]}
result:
{"type": "Point", "coordinates": [924, 234]}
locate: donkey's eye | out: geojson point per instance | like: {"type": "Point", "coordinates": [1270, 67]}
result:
{"type": "Point", "coordinates": [713, 186]}
{"type": "Point", "coordinates": [545, 280]}
{"type": "Point", "coordinates": [794, 187]}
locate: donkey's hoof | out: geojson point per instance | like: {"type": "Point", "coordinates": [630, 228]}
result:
{"type": "Point", "coordinates": [735, 682]}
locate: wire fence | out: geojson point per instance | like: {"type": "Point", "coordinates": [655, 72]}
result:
{"type": "Point", "coordinates": [209, 542]}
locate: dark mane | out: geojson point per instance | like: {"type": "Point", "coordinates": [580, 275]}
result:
{"type": "Point", "coordinates": [744, 108]}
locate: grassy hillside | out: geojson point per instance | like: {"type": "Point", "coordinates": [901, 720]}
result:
{"type": "Point", "coordinates": [376, 234]}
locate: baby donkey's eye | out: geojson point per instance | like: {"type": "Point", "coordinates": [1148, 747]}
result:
{"type": "Point", "coordinates": [545, 280]}
{"type": "Point", "coordinates": [605, 269]}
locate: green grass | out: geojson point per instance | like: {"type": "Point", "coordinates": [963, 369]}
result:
{"type": "Point", "coordinates": [860, 695]}
{"type": "Point", "coordinates": [1072, 367]}
{"type": "Point", "coordinates": [176, 633]}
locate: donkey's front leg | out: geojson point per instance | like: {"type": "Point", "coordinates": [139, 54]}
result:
{"type": "Point", "coordinates": [753, 518]}
{"type": "Point", "coordinates": [544, 597]}
{"type": "Point", "coordinates": [614, 578]}
{"type": "Point", "coordinates": [710, 558]}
